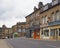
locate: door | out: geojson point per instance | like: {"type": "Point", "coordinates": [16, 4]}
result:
{"type": "Point", "coordinates": [30, 33]}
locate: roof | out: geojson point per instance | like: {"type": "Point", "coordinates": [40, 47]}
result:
{"type": "Point", "coordinates": [21, 22]}
{"type": "Point", "coordinates": [45, 10]}
{"type": "Point", "coordinates": [49, 8]}
{"type": "Point", "coordinates": [32, 13]}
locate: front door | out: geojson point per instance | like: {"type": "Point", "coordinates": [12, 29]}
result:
{"type": "Point", "coordinates": [30, 33]}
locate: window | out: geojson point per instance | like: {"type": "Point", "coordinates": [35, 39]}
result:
{"type": "Point", "coordinates": [53, 17]}
{"type": "Point", "coordinates": [23, 30]}
{"type": "Point", "coordinates": [46, 32]}
{"type": "Point", "coordinates": [45, 8]}
{"type": "Point", "coordinates": [44, 19]}
{"type": "Point", "coordinates": [55, 2]}
{"type": "Point", "coordinates": [19, 30]}
{"type": "Point", "coordinates": [57, 15]}
{"type": "Point", "coordinates": [52, 32]}
{"type": "Point", "coordinates": [59, 32]}
{"type": "Point", "coordinates": [31, 23]}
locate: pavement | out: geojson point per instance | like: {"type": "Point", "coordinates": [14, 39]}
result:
{"type": "Point", "coordinates": [3, 44]}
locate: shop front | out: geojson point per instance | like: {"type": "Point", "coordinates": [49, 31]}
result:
{"type": "Point", "coordinates": [29, 33]}
{"type": "Point", "coordinates": [45, 33]}
{"type": "Point", "coordinates": [36, 32]}
{"type": "Point", "coordinates": [52, 33]}
{"type": "Point", "coordinates": [55, 32]}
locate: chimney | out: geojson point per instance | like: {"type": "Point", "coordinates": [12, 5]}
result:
{"type": "Point", "coordinates": [35, 8]}
{"type": "Point", "coordinates": [40, 5]}
{"type": "Point", "coordinates": [53, 0]}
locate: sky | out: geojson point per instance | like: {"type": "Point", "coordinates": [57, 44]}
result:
{"type": "Point", "coordinates": [13, 11]}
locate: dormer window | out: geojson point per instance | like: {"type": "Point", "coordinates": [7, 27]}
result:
{"type": "Point", "coordinates": [54, 2]}
{"type": "Point", "coordinates": [45, 7]}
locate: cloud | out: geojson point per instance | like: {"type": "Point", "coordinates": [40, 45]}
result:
{"type": "Point", "coordinates": [12, 11]}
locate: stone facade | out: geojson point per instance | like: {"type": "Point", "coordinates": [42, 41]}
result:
{"type": "Point", "coordinates": [47, 17]}
{"type": "Point", "coordinates": [0, 32]}
{"type": "Point", "coordinates": [19, 28]}
{"type": "Point", "coordinates": [6, 32]}
{"type": "Point", "coordinates": [33, 22]}
{"type": "Point", "coordinates": [42, 23]}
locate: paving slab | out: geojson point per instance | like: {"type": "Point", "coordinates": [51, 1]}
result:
{"type": "Point", "coordinates": [3, 44]}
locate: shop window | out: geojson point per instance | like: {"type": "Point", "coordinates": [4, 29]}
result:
{"type": "Point", "coordinates": [46, 32]}
{"type": "Point", "coordinates": [59, 32]}
{"type": "Point", "coordinates": [52, 32]}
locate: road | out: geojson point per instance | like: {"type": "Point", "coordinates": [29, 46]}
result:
{"type": "Point", "coordinates": [31, 43]}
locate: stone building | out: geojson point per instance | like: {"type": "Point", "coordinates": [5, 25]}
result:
{"type": "Point", "coordinates": [50, 21]}
{"type": "Point", "coordinates": [0, 32]}
{"type": "Point", "coordinates": [46, 19]}
{"type": "Point", "coordinates": [6, 32]}
{"type": "Point", "coordinates": [19, 29]}
{"type": "Point", "coordinates": [33, 21]}
{"type": "Point", "coordinates": [10, 33]}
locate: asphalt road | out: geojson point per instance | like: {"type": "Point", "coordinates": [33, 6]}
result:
{"type": "Point", "coordinates": [31, 43]}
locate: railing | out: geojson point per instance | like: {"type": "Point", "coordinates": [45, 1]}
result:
{"type": "Point", "coordinates": [54, 23]}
